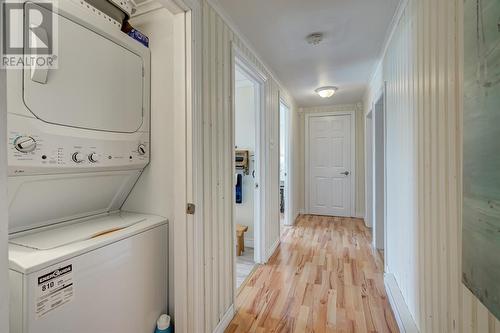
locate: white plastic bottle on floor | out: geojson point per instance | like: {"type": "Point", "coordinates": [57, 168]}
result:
{"type": "Point", "coordinates": [163, 325]}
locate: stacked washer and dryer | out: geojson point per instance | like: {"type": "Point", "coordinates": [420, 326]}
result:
{"type": "Point", "coordinates": [79, 140]}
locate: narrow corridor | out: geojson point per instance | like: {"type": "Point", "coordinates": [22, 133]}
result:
{"type": "Point", "coordinates": [324, 277]}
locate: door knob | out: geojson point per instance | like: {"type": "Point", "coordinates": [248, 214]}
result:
{"type": "Point", "coordinates": [346, 173]}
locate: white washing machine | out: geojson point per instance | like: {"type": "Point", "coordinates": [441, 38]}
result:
{"type": "Point", "coordinates": [104, 275]}
{"type": "Point", "coordinates": [78, 141]}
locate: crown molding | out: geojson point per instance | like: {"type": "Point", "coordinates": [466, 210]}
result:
{"type": "Point", "coordinates": [229, 21]}
{"type": "Point", "coordinates": [387, 40]}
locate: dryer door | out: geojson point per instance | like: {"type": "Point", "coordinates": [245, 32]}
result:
{"type": "Point", "coordinates": [98, 84]}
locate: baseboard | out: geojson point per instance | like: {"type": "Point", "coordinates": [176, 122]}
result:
{"type": "Point", "coordinates": [302, 211]}
{"type": "Point", "coordinates": [403, 316]}
{"type": "Point", "coordinates": [225, 321]}
{"type": "Point", "coordinates": [272, 250]}
{"type": "Point", "coordinates": [359, 216]}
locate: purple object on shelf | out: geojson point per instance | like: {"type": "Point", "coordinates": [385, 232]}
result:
{"type": "Point", "coordinates": [135, 34]}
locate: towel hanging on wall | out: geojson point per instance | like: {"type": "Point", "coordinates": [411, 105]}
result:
{"type": "Point", "coordinates": [239, 190]}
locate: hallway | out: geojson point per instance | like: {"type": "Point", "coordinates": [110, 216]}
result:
{"type": "Point", "coordinates": [324, 277]}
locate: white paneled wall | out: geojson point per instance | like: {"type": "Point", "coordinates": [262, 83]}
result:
{"type": "Point", "coordinates": [218, 138]}
{"type": "Point", "coordinates": [422, 68]}
{"type": "Point", "coordinates": [360, 153]}
{"type": "Point", "coordinates": [157, 181]}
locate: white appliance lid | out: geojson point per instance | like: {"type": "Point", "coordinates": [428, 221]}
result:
{"type": "Point", "coordinates": [73, 233]}
{"type": "Point", "coordinates": [27, 260]}
{"type": "Point", "coordinates": [98, 85]}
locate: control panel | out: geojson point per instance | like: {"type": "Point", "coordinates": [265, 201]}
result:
{"type": "Point", "coordinates": [43, 153]}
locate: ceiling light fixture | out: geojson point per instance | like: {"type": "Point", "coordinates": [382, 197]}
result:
{"type": "Point", "coordinates": [326, 92]}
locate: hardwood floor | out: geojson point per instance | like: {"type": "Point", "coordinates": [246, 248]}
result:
{"type": "Point", "coordinates": [324, 277]}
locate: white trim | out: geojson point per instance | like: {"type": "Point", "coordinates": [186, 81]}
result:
{"type": "Point", "coordinates": [405, 321]}
{"type": "Point", "coordinates": [230, 23]}
{"type": "Point", "coordinates": [260, 79]}
{"type": "Point", "coordinates": [225, 320]}
{"type": "Point", "coordinates": [381, 95]}
{"type": "Point", "coordinates": [239, 59]}
{"type": "Point", "coordinates": [369, 148]}
{"type": "Point", "coordinates": [287, 194]}
{"type": "Point", "coordinates": [310, 115]}
{"type": "Point", "coordinates": [388, 38]}
{"type": "Point", "coordinates": [178, 265]}
{"type": "Point", "coordinates": [272, 250]}
{"type": "Point", "coordinates": [194, 243]}
{"type": "Point", "coordinates": [247, 65]}
{"type": "Point", "coordinates": [386, 256]}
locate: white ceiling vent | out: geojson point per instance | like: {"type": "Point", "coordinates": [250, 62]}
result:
{"type": "Point", "coordinates": [315, 38]}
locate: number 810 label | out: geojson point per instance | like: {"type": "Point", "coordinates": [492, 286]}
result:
{"type": "Point", "coordinates": [54, 290]}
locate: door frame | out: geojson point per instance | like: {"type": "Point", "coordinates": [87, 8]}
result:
{"type": "Point", "coordinates": [189, 241]}
{"type": "Point", "coordinates": [239, 59]}
{"type": "Point", "coordinates": [189, 309]}
{"type": "Point", "coordinates": [369, 152]}
{"type": "Point", "coordinates": [308, 117]}
{"type": "Point", "coordinates": [381, 96]}
{"type": "Point", "coordinates": [288, 210]}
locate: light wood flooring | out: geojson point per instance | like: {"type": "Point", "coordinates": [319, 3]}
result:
{"type": "Point", "coordinates": [324, 277]}
{"type": "Point", "coordinates": [244, 266]}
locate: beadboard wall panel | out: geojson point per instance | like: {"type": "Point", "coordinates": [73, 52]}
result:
{"type": "Point", "coordinates": [219, 43]}
{"type": "Point", "coordinates": [422, 68]}
{"type": "Point", "coordinates": [360, 152]}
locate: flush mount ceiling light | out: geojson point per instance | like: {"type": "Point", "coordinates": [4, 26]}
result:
{"type": "Point", "coordinates": [326, 92]}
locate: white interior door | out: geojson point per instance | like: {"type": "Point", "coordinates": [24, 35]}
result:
{"type": "Point", "coordinates": [330, 165]}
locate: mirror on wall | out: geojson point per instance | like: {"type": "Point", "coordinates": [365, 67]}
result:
{"type": "Point", "coordinates": [481, 168]}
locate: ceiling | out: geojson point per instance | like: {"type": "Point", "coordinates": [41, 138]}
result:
{"type": "Point", "coordinates": [354, 31]}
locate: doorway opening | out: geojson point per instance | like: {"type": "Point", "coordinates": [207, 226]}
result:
{"type": "Point", "coordinates": [379, 176]}
{"type": "Point", "coordinates": [247, 92]}
{"type": "Point", "coordinates": [284, 167]}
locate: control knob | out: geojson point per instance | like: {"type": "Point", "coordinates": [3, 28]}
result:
{"type": "Point", "coordinates": [25, 144]}
{"type": "Point", "coordinates": [142, 149]}
{"type": "Point", "coordinates": [78, 157]}
{"type": "Point", "coordinates": [94, 158]}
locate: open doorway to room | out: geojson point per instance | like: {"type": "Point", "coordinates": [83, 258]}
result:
{"type": "Point", "coordinates": [247, 192]}
{"type": "Point", "coordinates": [284, 165]}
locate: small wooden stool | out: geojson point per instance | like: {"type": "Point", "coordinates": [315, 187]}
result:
{"type": "Point", "coordinates": [240, 235]}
